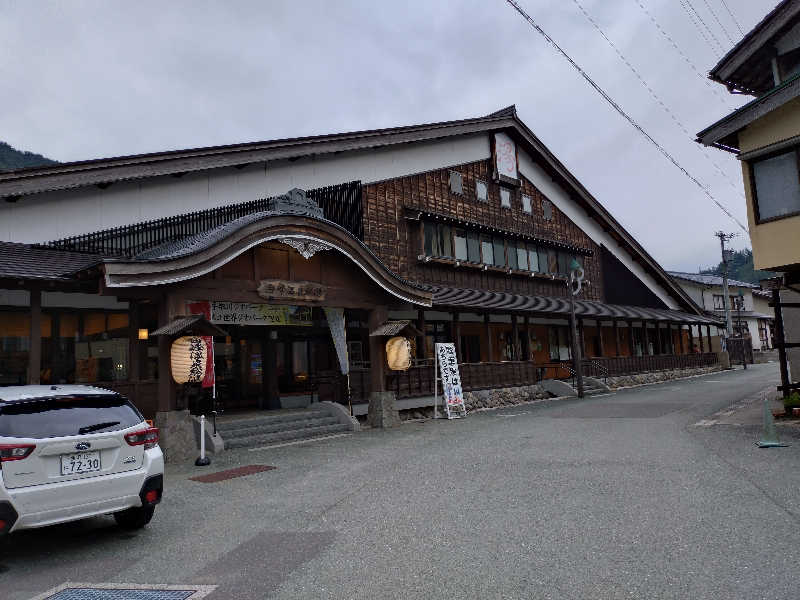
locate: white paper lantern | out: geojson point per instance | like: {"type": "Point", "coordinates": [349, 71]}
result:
{"type": "Point", "coordinates": [188, 359]}
{"type": "Point", "coordinates": [398, 354]}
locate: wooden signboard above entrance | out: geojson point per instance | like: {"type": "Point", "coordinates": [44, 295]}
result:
{"type": "Point", "coordinates": [278, 289]}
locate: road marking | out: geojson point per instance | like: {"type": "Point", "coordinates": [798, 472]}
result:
{"type": "Point", "coordinates": [71, 589]}
{"type": "Point", "coordinates": [511, 415]}
{"type": "Point", "coordinates": [298, 442]}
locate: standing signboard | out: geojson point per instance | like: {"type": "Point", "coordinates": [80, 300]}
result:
{"type": "Point", "coordinates": [446, 371]}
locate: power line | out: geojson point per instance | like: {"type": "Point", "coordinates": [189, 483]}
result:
{"type": "Point", "coordinates": [716, 18]}
{"type": "Point", "coordinates": [619, 109]}
{"type": "Point", "coordinates": [688, 61]}
{"type": "Point", "coordinates": [718, 49]}
{"type": "Point", "coordinates": [656, 97]}
{"type": "Point", "coordinates": [739, 27]}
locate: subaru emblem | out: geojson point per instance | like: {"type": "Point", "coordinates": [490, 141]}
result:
{"type": "Point", "coordinates": [82, 446]}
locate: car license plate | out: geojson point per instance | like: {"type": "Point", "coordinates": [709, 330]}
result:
{"type": "Point", "coordinates": [81, 462]}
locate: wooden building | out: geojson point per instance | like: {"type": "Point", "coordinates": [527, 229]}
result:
{"type": "Point", "coordinates": [464, 229]}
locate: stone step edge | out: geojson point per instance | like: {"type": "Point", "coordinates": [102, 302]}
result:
{"type": "Point", "coordinates": [275, 427]}
{"type": "Point", "coordinates": [266, 419]}
{"type": "Point", "coordinates": [282, 436]}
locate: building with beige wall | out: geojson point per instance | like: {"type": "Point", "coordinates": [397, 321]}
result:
{"type": "Point", "coordinates": [765, 136]}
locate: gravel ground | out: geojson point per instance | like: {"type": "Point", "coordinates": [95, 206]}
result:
{"type": "Point", "coordinates": [617, 496]}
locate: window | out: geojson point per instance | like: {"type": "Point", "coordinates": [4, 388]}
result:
{"type": "Point", "coordinates": [533, 258]}
{"type": "Point", "coordinates": [776, 186]}
{"type": "Point", "coordinates": [445, 240]}
{"type": "Point", "coordinates": [436, 333]}
{"type": "Point", "coordinates": [505, 197]}
{"type": "Point", "coordinates": [564, 260]}
{"type": "Point", "coordinates": [719, 302]}
{"type": "Point", "coordinates": [559, 343]}
{"type": "Point", "coordinates": [547, 210]}
{"type": "Point", "coordinates": [526, 203]}
{"type": "Point", "coordinates": [522, 256]}
{"type": "Point", "coordinates": [431, 240]}
{"type": "Point", "coordinates": [481, 191]}
{"type": "Point", "coordinates": [552, 261]}
{"type": "Point", "coordinates": [499, 252]}
{"type": "Point", "coordinates": [473, 247]}
{"type": "Point", "coordinates": [460, 243]}
{"type": "Point", "coordinates": [487, 253]}
{"type": "Point", "coordinates": [513, 263]}
{"type": "Point", "coordinates": [456, 183]}
{"type": "Point", "coordinates": [542, 259]}
{"type": "Point", "coordinates": [471, 348]}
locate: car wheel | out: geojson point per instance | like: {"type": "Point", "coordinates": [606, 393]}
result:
{"type": "Point", "coordinates": [134, 518]}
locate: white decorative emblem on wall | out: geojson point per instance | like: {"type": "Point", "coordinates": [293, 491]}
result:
{"type": "Point", "coordinates": [306, 248]}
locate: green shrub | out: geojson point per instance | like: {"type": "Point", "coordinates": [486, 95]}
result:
{"type": "Point", "coordinates": [792, 401]}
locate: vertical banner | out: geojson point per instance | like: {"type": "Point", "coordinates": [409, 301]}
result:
{"type": "Point", "coordinates": [204, 308]}
{"type": "Point", "coordinates": [335, 318]}
{"type": "Point", "coordinates": [450, 377]}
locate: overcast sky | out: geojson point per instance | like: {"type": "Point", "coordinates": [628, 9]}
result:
{"type": "Point", "coordinates": [83, 80]}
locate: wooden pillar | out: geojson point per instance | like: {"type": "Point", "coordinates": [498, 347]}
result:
{"type": "Point", "coordinates": [514, 338]}
{"type": "Point", "coordinates": [488, 337]}
{"type": "Point", "coordinates": [680, 338]}
{"type": "Point", "coordinates": [35, 352]}
{"type": "Point", "coordinates": [581, 339]}
{"type": "Point", "coordinates": [134, 345]}
{"type": "Point", "coordinates": [457, 335]}
{"type": "Point", "coordinates": [691, 339]}
{"type": "Point", "coordinates": [670, 341]}
{"type": "Point", "coordinates": [631, 349]}
{"type": "Point", "coordinates": [658, 338]}
{"type": "Point", "coordinates": [780, 341]}
{"type": "Point", "coordinates": [165, 385]}
{"type": "Point", "coordinates": [527, 338]}
{"type": "Point", "coordinates": [421, 340]}
{"type": "Point", "coordinates": [600, 337]}
{"type": "Point", "coordinates": [646, 336]}
{"type": "Point", "coordinates": [700, 337]}
{"type": "Point", "coordinates": [708, 333]}
{"type": "Point", "coordinates": [269, 372]}
{"type": "Point", "coordinates": [616, 338]}
{"type": "Point", "coordinates": [377, 350]}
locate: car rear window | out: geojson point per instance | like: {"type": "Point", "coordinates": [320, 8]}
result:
{"type": "Point", "coordinates": [67, 415]}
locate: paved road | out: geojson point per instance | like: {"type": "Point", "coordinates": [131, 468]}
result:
{"type": "Point", "coordinates": [619, 496]}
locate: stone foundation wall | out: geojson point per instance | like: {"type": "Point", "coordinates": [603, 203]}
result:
{"type": "Point", "coordinates": [656, 376]}
{"type": "Point", "coordinates": [503, 397]}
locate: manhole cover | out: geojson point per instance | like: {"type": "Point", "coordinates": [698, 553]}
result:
{"type": "Point", "coordinates": [125, 591]}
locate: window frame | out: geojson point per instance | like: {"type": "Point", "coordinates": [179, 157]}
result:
{"type": "Point", "coordinates": [506, 191]}
{"type": "Point", "coordinates": [485, 188]}
{"type": "Point", "coordinates": [529, 208]}
{"type": "Point", "coordinates": [754, 191]}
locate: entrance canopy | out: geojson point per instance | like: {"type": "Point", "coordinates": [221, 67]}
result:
{"type": "Point", "coordinates": [482, 300]}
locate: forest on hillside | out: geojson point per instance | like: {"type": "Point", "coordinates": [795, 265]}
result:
{"type": "Point", "coordinates": [740, 268]}
{"type": "Point", "coordinates": [11, 158]}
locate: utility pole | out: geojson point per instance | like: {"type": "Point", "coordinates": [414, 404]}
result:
{"type": "Point", "coordinates": [574, 284]}
{"type": "Point", "coordinates": [726, 254]}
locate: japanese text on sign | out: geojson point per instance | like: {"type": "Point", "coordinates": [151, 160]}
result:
{"type": "Point", "coordinates": [450, 376]}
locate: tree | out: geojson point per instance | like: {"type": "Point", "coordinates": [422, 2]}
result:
{"type": "Point", "coordinates": [740, 268]}
{"type": "Point", "coordinates": [11, 158]}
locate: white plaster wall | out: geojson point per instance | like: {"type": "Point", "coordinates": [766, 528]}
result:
{"type": "Point", "coordinates": [562, 201]}
{"type": "Point", "coordinates": [53, 215]}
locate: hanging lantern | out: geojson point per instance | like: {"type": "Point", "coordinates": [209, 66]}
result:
{"type": "Point", "coordinates": [188, 359]}
{"type": "Point", "coordinates": [398, 354]}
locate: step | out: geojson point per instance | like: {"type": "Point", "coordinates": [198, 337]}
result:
{"type": "Point", "coordinates": [272, 427]}
{"type": "Point", "coordinates": [285, 436]}
{"type": "Point", "coordinates": [268, 419]}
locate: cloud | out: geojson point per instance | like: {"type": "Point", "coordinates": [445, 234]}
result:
{"type": "Point", "coordinates": [91, 79]}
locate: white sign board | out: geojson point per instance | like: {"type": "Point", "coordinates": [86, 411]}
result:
{"type": "Point", "coordinates": [505, 155]}
{"type": "Point", "coordinates": [446, 367]}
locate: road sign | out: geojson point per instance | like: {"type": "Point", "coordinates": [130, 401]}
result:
{"type": "Point", "coordinates": [446, 372]}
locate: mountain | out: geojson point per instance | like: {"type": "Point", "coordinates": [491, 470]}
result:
{"type": "Point", "coordinates": [740, 268]}
{"type": "Point", "coordinates": [11, 158]}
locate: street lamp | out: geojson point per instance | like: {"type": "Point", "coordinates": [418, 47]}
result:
{"type": "Point", "coordinates": [739, 303]}
{"type": "Point", "coordinates": [574, 287]}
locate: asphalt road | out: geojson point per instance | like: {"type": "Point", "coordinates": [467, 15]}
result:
{"type": "Point", "coordinates": [618, 496]}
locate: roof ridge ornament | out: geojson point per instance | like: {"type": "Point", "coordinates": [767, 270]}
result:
{"type": "Point", "coordinates": [306, 248]}
{"type": "Point", "coordinates": [296, 201]}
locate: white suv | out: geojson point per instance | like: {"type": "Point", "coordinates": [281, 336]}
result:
{"type": "Point", "coordinates": [68, 452]}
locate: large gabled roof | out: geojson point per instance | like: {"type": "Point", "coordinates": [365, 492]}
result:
{"type": "Point", "coordinates": [708, 279]}
{"type": "Point", "coordinates": [14, 185]}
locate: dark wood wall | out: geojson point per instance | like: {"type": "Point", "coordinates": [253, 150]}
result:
{"type": "Point", "coordinates": [397, 239]}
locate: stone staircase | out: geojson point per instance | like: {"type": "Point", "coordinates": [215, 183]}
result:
{"type": "Point", "coordinates": [592, 387]}
{"type": "Point", "coordinates": [281, 427]}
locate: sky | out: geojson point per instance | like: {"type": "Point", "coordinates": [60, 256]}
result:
{"type": "Point", "coordinates": [91, 79]}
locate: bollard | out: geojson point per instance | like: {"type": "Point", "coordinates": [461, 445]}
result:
{"type": "Point", "coordinates": [202, 460]}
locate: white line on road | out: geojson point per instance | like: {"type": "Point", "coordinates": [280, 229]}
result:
{"type": "Point", "coordinates": [511, 415]}
{"type": "Point", "coordinates": [295, 443]}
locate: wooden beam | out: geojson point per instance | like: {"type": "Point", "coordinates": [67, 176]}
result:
{"type": "Point", "coordinates": [616, 337]}
{"type": "Point", "coordinates": [514, 338]}
{"type": "Point", "coordinates": [488, 337]}
{"type": "Point", "coordinates": [377, 350]}
{"type": "Point", "coordinates": [600, 337]}
{"type": "Point", "coordinates": [646, 336]}
{"type": "Point", "coordinates": [457, 335]}
{"type": "Point", "coordinates": [700, 336]}
{"type": "Point", "coordinates": [421, 340]}
{"type": "Point", "coordinates": [780, 342]}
